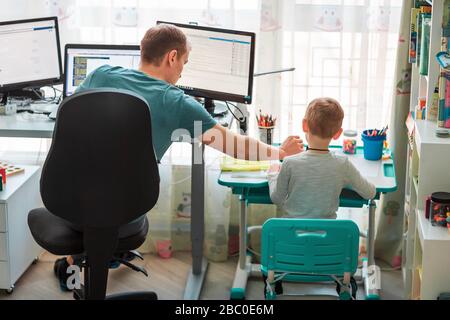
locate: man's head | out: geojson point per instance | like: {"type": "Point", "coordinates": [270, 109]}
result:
{"type": "Point", "coordinates": [323, 119]}
{"type": "Point", "coordinates": [165, 48]}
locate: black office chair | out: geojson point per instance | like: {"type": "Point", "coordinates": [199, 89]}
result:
{"type": "Point", "coordinates": [100, 174]}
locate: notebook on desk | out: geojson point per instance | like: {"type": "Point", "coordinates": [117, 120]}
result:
{"type": "Point", "coordinates": [236, 165]}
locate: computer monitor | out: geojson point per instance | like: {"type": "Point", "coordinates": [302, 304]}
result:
{"type": "Point", "coordinates": [221, 64]}
{"type": "Point", "coordinates": [29, 54]}
{"type": "Point", "coordinates": [82, 59]}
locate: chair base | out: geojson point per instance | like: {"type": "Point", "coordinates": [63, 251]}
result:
{"type": "Point", "coordinates": [78, 294]}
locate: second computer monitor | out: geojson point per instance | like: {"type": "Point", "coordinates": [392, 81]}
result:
{"type": "Point", "coordinates": [220, 65]}
{"type": "Point", "coordinates": [82, 59]}
{"type": "Point", "coordinates": [29, 53]}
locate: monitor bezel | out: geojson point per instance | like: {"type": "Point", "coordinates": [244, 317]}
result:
{"type": "Point", "coordinates": [91, 46]}
{"type": "Point", "coordinates": [220, 95]}
{"type": "Point", "coordinates": [40, 82]}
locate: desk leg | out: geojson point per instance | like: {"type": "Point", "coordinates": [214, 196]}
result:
{"type": "Point", "coordinates": [371, 272]}
{"type": "Point", "coordinates": [199, 264]}
{"type": "Point", "coordinates": [244, 266]}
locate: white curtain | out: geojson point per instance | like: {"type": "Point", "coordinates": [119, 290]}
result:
{"type": "Point", "coordinates": [345, 49]}
{"type": "Point", "coordinates": [340, 48]}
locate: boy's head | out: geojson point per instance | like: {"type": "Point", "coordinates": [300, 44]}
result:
{"type": "Point", "coordinates": [323, 119]}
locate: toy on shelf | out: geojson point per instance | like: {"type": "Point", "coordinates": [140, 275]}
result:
{"type": "Point", "coordinates": [440, 209]}
{"type": "Point", "coordinates": [7, 169]}
{"type": "Point", "coordinates": [10, 169]}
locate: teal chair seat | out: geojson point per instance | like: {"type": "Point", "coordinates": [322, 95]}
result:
{"type": "Point", "coordinates": [309, 250]}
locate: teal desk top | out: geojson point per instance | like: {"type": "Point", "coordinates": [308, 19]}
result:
{"type": "Point", "coordinates": [253, 185]}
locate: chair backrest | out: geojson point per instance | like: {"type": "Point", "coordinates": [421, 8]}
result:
{"type": "Point", "coordinates": [310, 246]}
{"type": "Point", "coordinates": [101, 170]}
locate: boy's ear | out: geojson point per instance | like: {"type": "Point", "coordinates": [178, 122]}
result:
{"type": "Point", "coordinates": [338, 134]}
{"type": "Point", "coordinates": [305, 127]}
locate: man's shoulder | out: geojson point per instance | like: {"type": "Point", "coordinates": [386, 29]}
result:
{"type": "Point", "coordinates": [174, 94]}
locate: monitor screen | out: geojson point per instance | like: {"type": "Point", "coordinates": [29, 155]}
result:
{"type": "Point", "coordinates": [80, 60]}
{"type": "Point", "coordinates": [220, 64]}
{"type": "Point", "coordinates": [30, 53]}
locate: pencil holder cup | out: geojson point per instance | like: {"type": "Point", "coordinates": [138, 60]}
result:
{"type": "Point", "coordinates": [373, 145]}
{"type": "Point", "coordinates": [266, 134]}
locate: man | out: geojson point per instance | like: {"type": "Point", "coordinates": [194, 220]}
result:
{"type": "Point", "coordinates": [164, 52]}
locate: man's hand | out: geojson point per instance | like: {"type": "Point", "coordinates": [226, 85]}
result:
{"type": "Point", "coordinates": [292, 145]}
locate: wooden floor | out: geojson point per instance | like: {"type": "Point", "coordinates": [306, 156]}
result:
{"type": "Point", "coordinates": [167, 277]}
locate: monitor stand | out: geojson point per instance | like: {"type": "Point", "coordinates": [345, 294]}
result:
{"type": "Point", "coordinates": [215, 109]}
{"type": "Point", "coordinates": [210, 106]}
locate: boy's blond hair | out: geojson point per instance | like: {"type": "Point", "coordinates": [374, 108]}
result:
{"type": "Point", "coordinates": [324, 117]}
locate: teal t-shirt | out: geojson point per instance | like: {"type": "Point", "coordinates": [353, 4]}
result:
{"type": "Point", "coordinates": [170, 108]}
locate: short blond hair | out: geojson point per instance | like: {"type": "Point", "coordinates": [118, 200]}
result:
{"type": "Point", "coordinates": [324, 117]}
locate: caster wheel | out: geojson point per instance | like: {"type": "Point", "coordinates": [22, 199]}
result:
{"type": "Point", "coordinates": [35, 260]}
{"type": "Point", "coordinates": [10, 290]}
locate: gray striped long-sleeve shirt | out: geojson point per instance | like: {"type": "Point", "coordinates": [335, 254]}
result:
{"type": "Point", "coordinates": [309, 184]}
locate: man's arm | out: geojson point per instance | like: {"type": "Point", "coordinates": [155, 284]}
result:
{"type": "Point", "coordinates": [246, 148]}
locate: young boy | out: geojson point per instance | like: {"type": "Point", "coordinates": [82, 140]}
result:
{"type": "Point", "coordinates": [309, 184]}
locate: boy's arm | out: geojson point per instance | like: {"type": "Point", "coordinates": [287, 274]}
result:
{"type": "Point", "coordinates": [278, 184]}
{"type": "Point", "coordinates": [358, 183]}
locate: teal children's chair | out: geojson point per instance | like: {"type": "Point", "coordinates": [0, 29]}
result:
{"type": "Point", "coordinates": [310, 250]}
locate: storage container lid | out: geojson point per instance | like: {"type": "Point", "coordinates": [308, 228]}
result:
{"type": "Point", "coordinates": [350, 133]}
{"type": "Point", "coordinates": [440, 197]}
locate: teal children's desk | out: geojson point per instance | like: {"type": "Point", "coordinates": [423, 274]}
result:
{"type": "Point", "coordinates": [252, 187]}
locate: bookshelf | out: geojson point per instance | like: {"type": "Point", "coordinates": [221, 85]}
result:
{"type": "Point", "coordinates": [425, 254]}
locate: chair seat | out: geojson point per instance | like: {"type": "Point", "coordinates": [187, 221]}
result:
{"type": "Point", "coordinates": [56, 236]}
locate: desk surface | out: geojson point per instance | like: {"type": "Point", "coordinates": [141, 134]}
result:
{"type": "Point", "coordinates": [381, 173]}
{"type": "Point", "coordinates": [14, 182]}
{"type": "Point", "coordinates": [26, 125]}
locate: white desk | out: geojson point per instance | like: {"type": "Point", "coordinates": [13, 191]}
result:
{"type": "Point", "coordinates": [25, 125]}
{"type": "Point", "coordinates": [39, 126]}
{"type": "Point", "coordinates": [17, 246]}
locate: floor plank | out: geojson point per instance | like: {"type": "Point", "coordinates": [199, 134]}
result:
{"type": "Point", "coordinates": [168, 277]}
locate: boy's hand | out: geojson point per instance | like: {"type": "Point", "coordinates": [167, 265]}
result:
{"type": "Point", "coordinates": [292, 145]}
{"type": "Point", "coordinates": [274, 168]}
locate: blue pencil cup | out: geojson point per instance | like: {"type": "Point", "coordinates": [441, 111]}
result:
{"type": "Point", "coordinates": [373, 146]}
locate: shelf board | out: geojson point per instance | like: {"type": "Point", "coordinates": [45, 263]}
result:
{"type": "Point", "coordinates": [427, 232]}
{"type": "Point", "coordinates": [425, 133]}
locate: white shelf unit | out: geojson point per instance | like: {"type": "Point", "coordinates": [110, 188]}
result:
{"type": "Point", "coordinates": [426, 248]}
{"type": "Point", "coordinates": [422, 86]}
